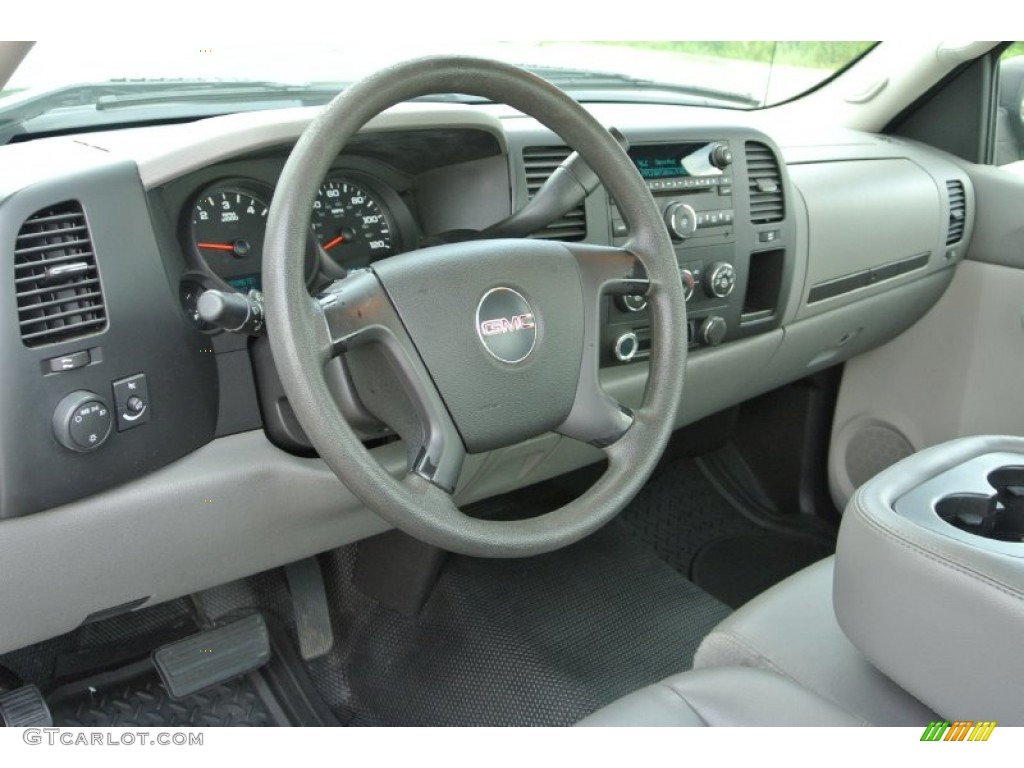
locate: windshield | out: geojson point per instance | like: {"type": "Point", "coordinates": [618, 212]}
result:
{"type": "Point", "coordinates": [57, 88]}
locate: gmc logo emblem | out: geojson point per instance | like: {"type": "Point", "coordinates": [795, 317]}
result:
{"type": "Point", "coordinates": [502, 325]}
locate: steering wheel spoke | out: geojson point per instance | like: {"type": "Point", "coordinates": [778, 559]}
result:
{"type": "Point", "coordinates": [358, 314]}
{"type": "Point", "coordinates": [596, 418]}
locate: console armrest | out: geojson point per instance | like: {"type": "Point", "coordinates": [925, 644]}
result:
{"type": "Point", "coordinates": [935, 606]}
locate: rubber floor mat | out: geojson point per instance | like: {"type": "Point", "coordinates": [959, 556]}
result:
{"type": "Point", "coordinates": [737, 568]}
{"type": "Point", "coordinates": [536, 641]}
{"type": "Point", "coordinates": [135, 696]}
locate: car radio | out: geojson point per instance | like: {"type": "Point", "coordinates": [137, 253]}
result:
{"type": "Point", "coordinates": [692, 183]}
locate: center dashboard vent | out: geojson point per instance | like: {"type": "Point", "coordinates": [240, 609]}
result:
{"type": "Point", "coordinates": [540, 163]}
{"type": "Point", "coordinates": [957, 211]}
{"type": "Point", "coordinates": [56, 281]}
{"type": "Point", "coordinates": [766, 203]}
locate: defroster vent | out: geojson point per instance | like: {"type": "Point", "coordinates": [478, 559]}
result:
{"type": "Point", "coordinates": [55, 277]}
{"type": "Point", "coordinates": [957, 211]}
{"type": "Point", "coordinates": [540, 163]}
{"type": "Point", "coordinates": [766, 203]}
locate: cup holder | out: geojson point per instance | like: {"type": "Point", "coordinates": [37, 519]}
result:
{"type": "Point", "coordinates": [999, 516]}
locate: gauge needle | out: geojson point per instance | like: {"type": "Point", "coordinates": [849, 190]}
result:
{"type": "Point", "coordinates": [217, 246]}
{"type": "Point", "coordinates": [334, 242]}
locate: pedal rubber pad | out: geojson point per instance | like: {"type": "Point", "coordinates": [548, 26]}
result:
{"type": "Point", "coordinates": [24, 707]}
{"type": "Point", "coordinates": [309, 601]}
{"type": "Point", "coordinates": [213, 656]}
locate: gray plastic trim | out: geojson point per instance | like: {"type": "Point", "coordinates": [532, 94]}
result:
{"type": "Point", "coordinates": [971, 477]}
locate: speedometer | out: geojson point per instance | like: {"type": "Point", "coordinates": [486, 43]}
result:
{"type": "Point", "coordinates": [351, 225]}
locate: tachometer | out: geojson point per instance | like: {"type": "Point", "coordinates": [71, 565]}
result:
{"type": "Point", "coordinates": [228, 226]}
{"type": "Point", "coordinates": [350, 224]}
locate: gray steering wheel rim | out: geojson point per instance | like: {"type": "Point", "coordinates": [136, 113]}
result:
{"type": "Point", "coordinates": [295, 329]}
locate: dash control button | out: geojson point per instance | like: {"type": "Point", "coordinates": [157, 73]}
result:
{"type": "Point", "coordinates": [68, 362]}
{"type": "Point", "coordinates": [82, 421]}
{"type": "Point", "coordinates": [131, 401]}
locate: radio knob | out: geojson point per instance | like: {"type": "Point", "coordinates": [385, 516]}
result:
{"type": "Point", "coordinates": [681, 220]}
{"type": "Point", "coordinates": [626, 347]}
{"type": "Point", "coordinates": [631, 303]}
{"type": "Point", "coordinates": [688, 283]}
{"type": "Point", "coordinates": [720, 280]}
{"type": "Point", "coordinates": [721, 156]}
{"type": "Point", "coordinates": [712, 331]}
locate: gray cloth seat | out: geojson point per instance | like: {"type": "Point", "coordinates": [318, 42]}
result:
{"type": "Point", "coordinates": [724, 696]}
{"type": "Point", "coordinates": [792, 631]}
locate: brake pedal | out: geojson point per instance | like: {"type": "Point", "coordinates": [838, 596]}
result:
{"type": "Point", "coordinates": [24, 707]}
{"type": "Point", "coordinates": [213, 656]}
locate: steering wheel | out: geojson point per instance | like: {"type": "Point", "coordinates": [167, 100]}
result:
{"type": "Point", "coordinates": [473, 346]}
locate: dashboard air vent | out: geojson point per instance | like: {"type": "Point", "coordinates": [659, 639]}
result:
{"type": "Point", "coordinates": [957, 211]}
{"type": "Point", "coordinates": [540, 163]}
{"type": "Point", "coordinates": [766, 204]}
{"type": "Point", "coordinates": [55, 277]}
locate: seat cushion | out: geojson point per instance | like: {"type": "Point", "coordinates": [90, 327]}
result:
{"type": "Point", "coordinates": [791, 630]}
{"type": "Point", "coordinates": [721, 697]}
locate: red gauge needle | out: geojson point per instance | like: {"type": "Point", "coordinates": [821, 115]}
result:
{"type": "Point", "coordinates": [334, 242]}
{"type": "Point", "coordinates": [217, 246]}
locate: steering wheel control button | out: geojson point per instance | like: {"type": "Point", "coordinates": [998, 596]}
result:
{"type": "Point", "coordinates": [131, 401]}
{"type": "Point", "coordinates": [82, 421]}
{"type": "Point", "coordinates": [626, 347]}
{"type": "Point", "coordinates": [721, 280]}
{"type": "Point", "coordinates": [68, 362]}
{"type": "Point", "coordinates": [506, 325]}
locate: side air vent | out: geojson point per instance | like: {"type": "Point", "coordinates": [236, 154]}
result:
{"type": "Point", "coordinates": [766, 204]}
{"type": "Point", "coordinates": [957, 211]}
{"type": "Point", "coordinates": [540, 163]}
{"type": "Point", "coordinates": [55, 277]}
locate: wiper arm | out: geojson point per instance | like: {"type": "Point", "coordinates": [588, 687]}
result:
{"type": "Point", "coordinates": [223, 92]}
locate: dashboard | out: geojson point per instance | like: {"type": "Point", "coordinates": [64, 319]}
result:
{"type": "Point", "coordinates": [123, 411]}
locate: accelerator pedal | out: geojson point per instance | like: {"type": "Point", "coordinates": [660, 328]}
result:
{"type": "Point", "coordinates": [312, 615]}
{"type": "Point", "coordinates": [213, 656]}
{"type": "Point", "coordinates": [24, 707]}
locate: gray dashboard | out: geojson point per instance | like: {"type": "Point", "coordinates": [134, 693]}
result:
{"type": "Point", "coordinates": [852, 244]}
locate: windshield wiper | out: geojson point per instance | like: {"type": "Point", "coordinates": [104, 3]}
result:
{"type": "Point", "coordinates": [590, 82]}
{"type": "Point", "coordinates": [309, 94]}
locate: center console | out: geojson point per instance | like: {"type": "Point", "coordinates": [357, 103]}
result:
{"type": "Point", "coordinates": [723, 201]}
{"type": "Point", "coordinates": [929, 579]}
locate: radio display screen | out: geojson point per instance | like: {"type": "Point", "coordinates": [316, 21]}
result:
{"type": "Point", "coordinates": [673, 161]}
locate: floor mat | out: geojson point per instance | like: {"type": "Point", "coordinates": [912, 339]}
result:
{"type": "Point", "coordinates": [538, 641]}
{"type": "Point", "coordinates": [689, 524]}
{"type": "Point", "coordinates": [135, 696]}
{"type": "Point", "coordinates": [737, 568]}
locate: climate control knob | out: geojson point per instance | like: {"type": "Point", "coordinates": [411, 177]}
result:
{"type": "Point", "coordinates": [626, 347]}
{"type": "Point", "coordinates": [712, 331]}
{"type": "Point", "coordinates": [720, 280]}
{"type": "Point", "coordinates": [681, 220]}
{"type": "Point", "coordinates": [632, 302]}
{"type": "Point", "coordinates": [688, 283]}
